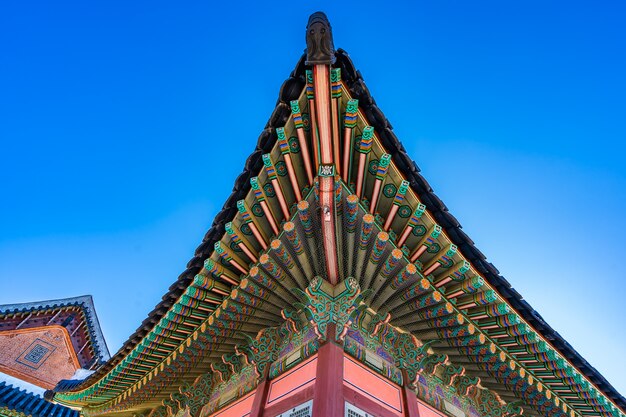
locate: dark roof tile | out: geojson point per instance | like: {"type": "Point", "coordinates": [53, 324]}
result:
{"type": "Point", "coordinates": [29, 404]}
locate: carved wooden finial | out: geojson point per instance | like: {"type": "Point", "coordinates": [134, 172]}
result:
{"type": "Point", "coordinates": [319, 41]}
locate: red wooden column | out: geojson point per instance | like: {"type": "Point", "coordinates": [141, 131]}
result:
{"type": "Point", "coordinates": [409, 398]}
{"type": "Point", "coordinates": [260, 397]}
{"type": "Point", "coordinates": [328, 399]}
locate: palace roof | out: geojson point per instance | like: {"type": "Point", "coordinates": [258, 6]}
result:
{"type": "Point", "coordinates": [419, 271]}
{"type": "Point", "coordinates": [72, 313]}
{"type": "Point", "coordinates": [15, 402]}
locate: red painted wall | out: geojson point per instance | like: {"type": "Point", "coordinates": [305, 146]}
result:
{"type": "Point", "coordinates": [380, 391]}
{"type": "Point", "coordinates": [239, 409]}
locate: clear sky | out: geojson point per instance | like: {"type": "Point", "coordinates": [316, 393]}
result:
{"type": "Point", "coordinates": [123, 126]}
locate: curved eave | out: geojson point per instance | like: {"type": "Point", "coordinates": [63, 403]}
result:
{"type": "Point", "coordinates": [351, 79]}
{"type": "Point", "coordinates": [453, 228]}
{"type": "Point", "coordinates": [290, 90]}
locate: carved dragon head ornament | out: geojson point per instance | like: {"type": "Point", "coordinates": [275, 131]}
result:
{"type": "Point", "coordinates": [319, 41]}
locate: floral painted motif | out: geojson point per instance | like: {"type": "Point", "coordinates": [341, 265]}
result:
{"type": "Point", "coordinates": [323, 304]}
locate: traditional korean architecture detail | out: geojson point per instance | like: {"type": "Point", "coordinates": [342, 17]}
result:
{"type": "Point", "coordinates": [16, 402]}
{"type": "Point", "coordinates": [45, 342]}
{"type": "Point", "coordinates": [334, 281]}
{"type": "Point", "coordinates": [325, 304]}
{"type": "Point", "coordinates": [42, 343]}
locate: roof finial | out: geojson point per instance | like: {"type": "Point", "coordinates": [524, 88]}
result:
{"type": "Point", "coordinates": [319, 40]}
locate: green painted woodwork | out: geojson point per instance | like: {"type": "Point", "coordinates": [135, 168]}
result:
{"type": "Point", "coordinates": [335, 82]}
{"type": "Point", "coordinates": [310, 95]}
{"type": "Point", "coordinates": [230, 315]}
{"type": "Point", "coordinates": [323, 304]}
{"type": "Point", "coordinates": [367, 139]}
{"type": "Point", "coordinates": [352, 108]}
{"type": "Point", "coordinates": [383, 166]}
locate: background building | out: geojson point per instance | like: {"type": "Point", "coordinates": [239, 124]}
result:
{"type": "Point", "coordinates": [42, 343]}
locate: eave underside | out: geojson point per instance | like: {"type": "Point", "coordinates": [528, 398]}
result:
{"type": "Point", "coordinates": [463, 305]}
{"type": "Point", "coordinates": [77, 315]}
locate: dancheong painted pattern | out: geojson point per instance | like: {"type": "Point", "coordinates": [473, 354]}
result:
{"type": "Point", "coordinates": [332, 238]}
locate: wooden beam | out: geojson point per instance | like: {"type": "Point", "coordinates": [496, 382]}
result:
{"type": "Point", "coordinates": [306, 157]}
{"type": "Point", "coordinates": [54, 317]}
{"type": "Point", "coordinates": [310, 94]}
{"type": "Point", "coordinates": [23, 321]}
{"type": "Point", "coordinates": [322, 103]}
{"type": "Point", "coordinates": [409, 398]}
{"type": "Point", "coordinates": [260, 397]}
{"type": "Point", "coordinates": [283, 145]}
{"type": "Point", "coordinates": [349, 123]}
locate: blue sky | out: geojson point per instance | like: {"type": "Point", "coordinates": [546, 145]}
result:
{"type": "Point", "coordinates": [124, 124]}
